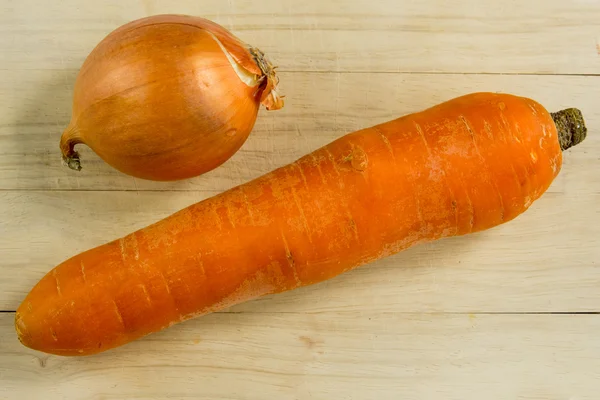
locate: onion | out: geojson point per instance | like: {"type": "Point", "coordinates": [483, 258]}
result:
{"type": "Point", "coordinates": [168, 97]}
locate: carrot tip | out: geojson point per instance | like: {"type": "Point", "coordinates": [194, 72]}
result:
{"type": "Point", "coordinates": [570, 126]}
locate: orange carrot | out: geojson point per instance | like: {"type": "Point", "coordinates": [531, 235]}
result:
{"type": "Point", "coordinates": [463, 166]}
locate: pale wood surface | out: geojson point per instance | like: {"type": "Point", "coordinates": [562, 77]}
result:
{"type": "Point", "coordinates": [512, 313]}
{"type": "Point", "coordinates": [351, 355]}
{"type": "Point", "coordinates": [550, 36]}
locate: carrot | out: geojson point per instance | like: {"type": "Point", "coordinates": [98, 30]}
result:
{"type": "Point", "coordinates": [463, 166]}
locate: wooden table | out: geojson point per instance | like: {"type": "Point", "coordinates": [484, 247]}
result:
{"type": "Point", "coordinates": [511, 313]}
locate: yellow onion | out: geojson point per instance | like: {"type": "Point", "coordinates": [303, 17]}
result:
{"type": "Point", "coordinates": [168, 97]}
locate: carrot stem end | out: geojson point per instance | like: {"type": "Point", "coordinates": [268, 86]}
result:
{"type": "Point", "coordinates": [570, 126]}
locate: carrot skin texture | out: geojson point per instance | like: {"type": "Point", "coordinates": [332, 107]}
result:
{"type": "Point", "coordinates": [463, 166]}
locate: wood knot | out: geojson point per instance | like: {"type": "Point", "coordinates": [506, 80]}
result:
{"type": "Point", "coordinates": [310, 342]}
{"type": "Point", "coordinates": [42, 361]}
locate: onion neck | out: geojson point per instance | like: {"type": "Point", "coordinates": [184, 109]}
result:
{"type": "Point", "coordinates": [68, 140]}
{"type": "Point", "coordinates": [270, 98]}
{"type": "Point", "coordinates": [253, 68]}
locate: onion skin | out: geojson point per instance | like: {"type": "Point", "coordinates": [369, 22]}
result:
{"type": "Point", "coordinates": [159, 98]}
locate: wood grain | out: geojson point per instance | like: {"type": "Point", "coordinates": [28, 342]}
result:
{"type": "Point", "coordinates": [536, 263]}
{"type": "Point", "coordinates": [553, 36]}
{"type": "Point", "coordinates": [35, 108]}
{"type": "Point", "coordinates": [352, 355]}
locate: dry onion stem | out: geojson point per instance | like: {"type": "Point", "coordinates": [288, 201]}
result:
{"type": "Point", "coordinates": [168, 97]}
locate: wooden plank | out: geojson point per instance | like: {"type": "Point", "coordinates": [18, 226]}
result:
{"type": "Point", "coordinates": [545, 260]}
{"type": "Point", "coordinates": [350, 355]}
{"type": "Point", "coordinates": [416, 36]}
{"type": "Point", "coordinates": [35, 108]}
